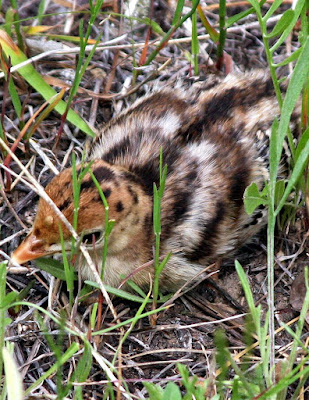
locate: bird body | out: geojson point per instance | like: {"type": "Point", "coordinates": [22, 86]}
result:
{"type": "Point", "coordinates": [214, 137]}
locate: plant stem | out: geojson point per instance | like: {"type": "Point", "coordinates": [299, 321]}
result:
{"type": "Point", "coordinates": [2, 312]}
{"type": "Point", "coordinates": [222, 35]}
{"type": "Point", "coordinates": [270, 274]}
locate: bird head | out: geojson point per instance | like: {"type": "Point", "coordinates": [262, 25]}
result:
{"type": "Point", "coordinates": [126, 200]}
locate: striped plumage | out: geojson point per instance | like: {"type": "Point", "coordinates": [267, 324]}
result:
{"type": "Point", "coordinates": [214, 136]}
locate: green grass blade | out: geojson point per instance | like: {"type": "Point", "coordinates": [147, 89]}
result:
{"type": "Point", "coordinates": [272, 9]}
{"type": "Point", "coordinates": [15, 98]}
{"type": "Point", "coordinates": [255, 311]}
{"type": "Point", "coordinates": [253, 198]}
{"type": "Point", "coordinates": [51, 266]}
{"type": "Point", "coordinates": [64, 358]}
{"type": "Point", "coordinates": [37, 82]}
{"type": "Point", "coordinates": [195, 45]}
{"type": "Point", "coordinates": [178, 11]}
{"type": "Point", "coordinates": [83, 366]}
{"type": "Point", "coordinates": [235, 18]}
{"type": "Point", "coordinates": [292, 57]}
{"type": "Point", "coordinates": [128, 321]}
{"type": "Point", "coordinates": [282, 24]}
{"type": "Point", "coordinates": [299, 6]}
{"type": "Point", "coordinates": [298, 79]}
{"type": "Point", "coordinates": [118, 292]}
{"type": "Point", "coordinates": [214, 35]}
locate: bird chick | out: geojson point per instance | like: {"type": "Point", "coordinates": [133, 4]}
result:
{"type": "Point", "coordinates": [214, 137]}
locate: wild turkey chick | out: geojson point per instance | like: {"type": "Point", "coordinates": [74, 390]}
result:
{"type": "Point", "coordinates": [214, 137]}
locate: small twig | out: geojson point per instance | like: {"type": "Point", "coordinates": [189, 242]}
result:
{"type": "Point", "coordinates": [13, 236]}
{"type": "Point", "coordinates": [46, 160]}
{"type": "Point", "coordinates": [196, 280]}
{"type": "Point", "coordinates": [22, 173]}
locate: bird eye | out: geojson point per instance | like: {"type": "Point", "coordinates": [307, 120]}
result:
{"type": "Point", "coordinates": [92, 237]}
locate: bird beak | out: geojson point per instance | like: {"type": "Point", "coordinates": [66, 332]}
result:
{"type": "Point", "coordinates": [30, 249]}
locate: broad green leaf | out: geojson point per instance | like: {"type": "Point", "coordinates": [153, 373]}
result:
{"type": "Point", "coordinates": [301, 163]}
{"type": "Point", "coordinates": [51, 266]}
{"type": "Point", "coordinates": [292, 57]}
{"type": "Point", "coordinates": [171, 391]}
{"type": "Point", "coordinates": [282, 24]}
{"type": "Point", "coordinates": [298, 78]}
{"type": "Point", "coordinates": [298, 8]}
{"type": "Point", "coordinates": [253, 198]}
{"type": "Point", "coordinates": [37, 82]}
